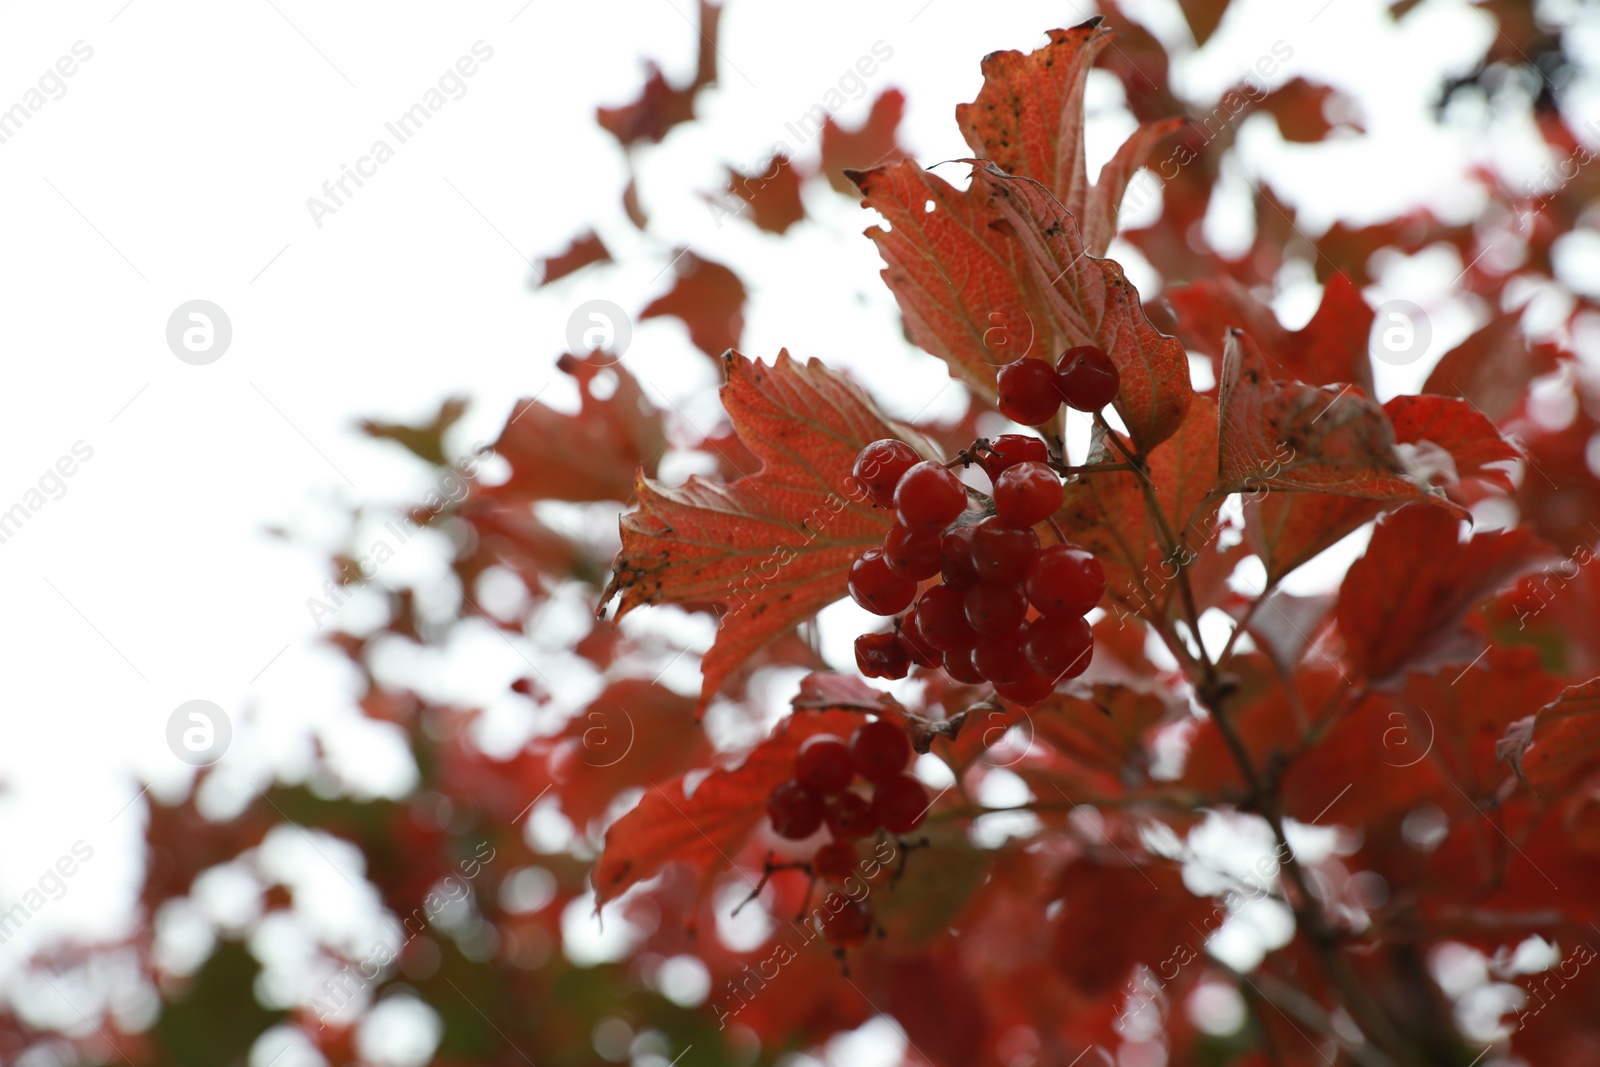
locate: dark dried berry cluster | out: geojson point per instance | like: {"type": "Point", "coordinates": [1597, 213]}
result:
{"type": "Point", "coordinates": [1003, 609]}
{"type": "Point", "coordinates": [1032, 391]}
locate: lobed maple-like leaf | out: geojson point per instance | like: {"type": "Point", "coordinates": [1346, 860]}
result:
{"type": "Point", "coordinates": [1456, 429]}
{"type": "Point", "coordinates": [1403, 600]}
{"type": "Point", "coordinates": [1291, 436]}
{"type": "Point", "coordinates": [1331, 349]}
{"type": "Point", "coordinates": [773, 547]}
{"type": "Point", "coordinates": [1493, 368]}
{"type": "Point", "coordinates": [1558, 744]}
{"type": "Point", "coordinates": [1300, 108]}
{"type": "Point", "coordinates": [771, 195]}
{"type": "Point", "coordinates": [999, 271]}
{"type": "Point", "coordinates": [661, 105]}
{"type": "Point", "coordinates": [584, 249]}
{"type": "Point", "coordinates": [1028, 119]}
{"type": "Point", "coordinates": [1287, 530]}
{"type": "Point", "coordinates": [588, 456]}
{"type": "Point", "coordinates": [709, 300]}
{"type": "Point", "coordinates": [703, 827]}
{"type": "Point", "coordinates": [875, 143]}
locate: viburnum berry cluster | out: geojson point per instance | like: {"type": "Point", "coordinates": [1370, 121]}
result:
{"type": "Point", "coordinates": [1033, 390]}
{"type": "Point", "coordinates": [1003, 608]}
{"type": "Point", "coordinates": [824, 791]}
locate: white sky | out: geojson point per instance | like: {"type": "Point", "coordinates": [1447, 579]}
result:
{"type": "Point", "coordinates": [177, 166]}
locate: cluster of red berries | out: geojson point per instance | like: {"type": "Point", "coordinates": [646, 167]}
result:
{"type": "Point", "coordinates": [1033, 390]}
{"type": "Point", "coordinates": [1003, 609]}
{"type": "Point", "coordinates": [820, 793]}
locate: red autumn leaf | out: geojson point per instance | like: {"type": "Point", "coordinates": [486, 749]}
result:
{"type": "Point", "coordinates": [771, 196]}
{"type": "Point", "coordinates": [1401, 603]}
{"type": "Point", "coordinates": [874, 144]}
{"type": "Point", "coordinates": [988, 275]}
{"type": "Point", "coordinates": [661, 106]}
{"type": "Point", "coordinates": [592, 455]}
{"type": "Point", "coordinates": [1116, 915]}
{"type": "Point", "coordinates": [703, 827]}
{"type": "Point", "coordinates": [1203, 17]}
{"type": "Point", "coordinates": [586, 248]}
{"type": "Point", "coordinates": [1301, 108]}
{"type": "Point", "coordinates": [1288, 529]}
{"type": "Point", "coordinates": [1560, 493]}
{"type": "Point", "coordinates": [1558, 744]}
{"type": "Point", "coordinates": [1331, 349]}
{"type": "Point", "coordinates": [798, 517]}
{"type": "Point", "coordinates": [709, 299]}
{"type": "Point", "coordinates": [1290, 436]}
{"type": "Point", "coordinates": [1028, 119]}
{"type": "Point", "coordinates": [634, 734]}
{"type": "Point", "coordinates": [1493, 368]}
{"type": "Point", "coordinates": [1455, 428]}
{"type": "Point", "coordinates": [1106, 512]}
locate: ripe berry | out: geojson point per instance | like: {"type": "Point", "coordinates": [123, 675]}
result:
{"type": "Point", "coordinates": [1008, 450]}
{"type": "Point", "coordinates": [850, 816]}
{"type": "Point", "coordinates": [795, 810]}
{"type": "Point", "coordinates": [1065, 580]}
{"type": "Point", "coordinates": [929, 497]}
{"type": "Point", "coordinates": [1028, 692]}
{"type": "Point", "coordinates": [1028, 391]}
{"type": "Point", "coordinates": [1001, 552]}
{"type": "Point", "coordinates": [994, 609]}
{"type": "Point", "coordinates": [850, 925]}
{"type": "Point", "coordinates": [942, 619]}
{"type": "Point", "coordinates": [877, 588]}
{"type": "Point", "coordinates": [880, 750]}
{"type": "Point", "coordinates": [955, 557]}
{"type": "Point", "coordinates": [958, 665]}
{"type": "Point", "coordinates": [914, 554]}
{"type": "Point", "coordinates": [900, 803]}
{"type": "Point", "coordinates": [1027, 493]}
{"type": "Point", "coordinates": [1001, 659]}
{"type": "Point", "coordinates": [1059, 646]}
{"type": "Point", "coordinates": [1086, 378]}
{"type": "Point", "coordinates": [880, 466]}
{"type": "Point", "coordinates": [824, 763]}
{"type": "Point", "coordinates": [918, 648]}
{"type": "Point", "coordinates": [882, 656]}
{"type": "Point", "coordinates": [835, 861]}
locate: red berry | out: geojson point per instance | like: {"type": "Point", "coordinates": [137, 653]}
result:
{"type": "Point", "coordinates": [900, 803]}
{"type": "Point", "coordinates": [880, 466]}
{"type": "Point", "coordinates": [929, 497]}
{"type": "Point", "coordinates": [1086, 378]}
{"type": "Point", "coordinates": [881, 656]}
{"type": "Point", "coordinates": [942, 619]}
{"type": "Point", "coordinates": [850, 925]}
{"type": "Point", "coordinates": [1027, 493]}
{"type": "Point", "coordinates": [877, 588]}
{"type": "Point", "coordinates": [850, 816]}
{"type": "Point", "coordinates": [914, 554]}
{"type": "Point", "coordinates": [918, 648]}
{"type": "Point", "coordinates": [835, 861]}
{"type": "Point", "coordinates": [1065, 580]}
{"type": "Point", "coordinates": [880, 750]}
{"type": "Point", "coordinates": [824, 763]}
{"type": "Point", "coordinates": [1028, 391]}
{"type": "Point", "coordinates": [958, 665]}
{"type": "Point", "coordinates": [1008, 450]}
{"type": "Point", "coordinates": [795, 810]}
{"type": "Point", "coordinates": [994, 609]}
{"type": "Point", "coordinates": [955, 564]}
{"type": "Point", "coordinates": [1001, 552]}
{"type": "Point", "coordinates": [1059, 646]}
{"type": "Point", "coordinates": [1001, 658]}
{"type": "Point", "coordinates": [1028, 692]}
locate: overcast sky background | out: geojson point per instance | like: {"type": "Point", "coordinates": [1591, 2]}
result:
{"type": "Point", "coordinates": [176, 166]}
